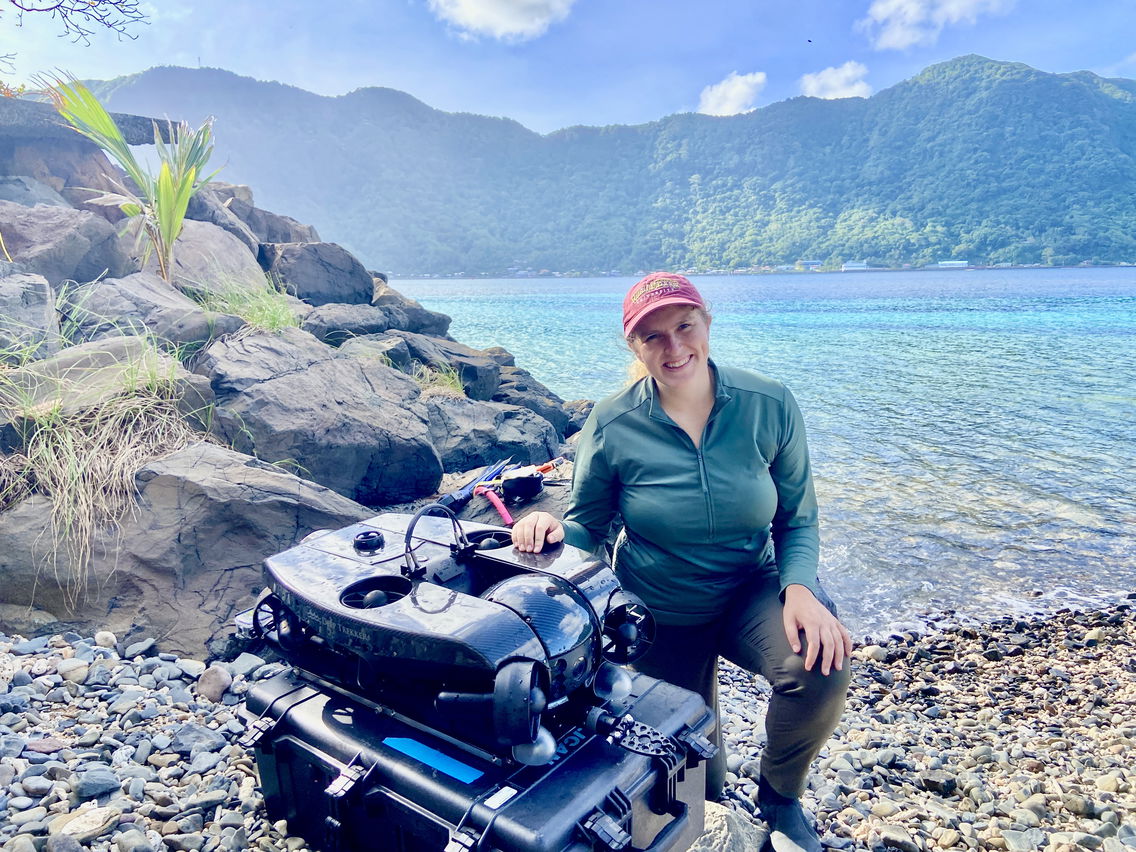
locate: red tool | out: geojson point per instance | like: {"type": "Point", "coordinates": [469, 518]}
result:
{"type": "Point", "coordinates": [495, 499]}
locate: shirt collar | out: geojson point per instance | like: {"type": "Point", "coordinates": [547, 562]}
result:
{"type": "Point", "coordinates": [721, 395]}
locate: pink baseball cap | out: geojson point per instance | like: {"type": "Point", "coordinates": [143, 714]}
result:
{"type": "Point", "coordinates": [657, 290]}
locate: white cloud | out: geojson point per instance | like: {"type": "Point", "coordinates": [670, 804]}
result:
{"type": "Point", "coordinates": [900, 24]}
{"type": "Point", "coordinates": [847, 81]}
{"type": "Point", "coordinates": [512, 20]}
{"type": "Point", "coordinates": [733, 95]}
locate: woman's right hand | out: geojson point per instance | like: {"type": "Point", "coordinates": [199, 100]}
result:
{"type": "Point", "coordinates": [533, 531]}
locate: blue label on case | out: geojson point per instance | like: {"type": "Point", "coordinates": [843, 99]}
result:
{"type": "Point", "coordinates": [434, 758]}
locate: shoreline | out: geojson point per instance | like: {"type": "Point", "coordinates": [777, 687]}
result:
{"type": "Point", "coordinates": [1012, 735]}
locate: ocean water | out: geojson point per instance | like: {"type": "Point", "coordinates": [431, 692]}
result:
{"type": "Point", "coordinates": [971, 430]}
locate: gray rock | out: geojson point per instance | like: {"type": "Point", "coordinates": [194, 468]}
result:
{"type": "Point", "coordinates": [135, 649]}
{"type": "Point", "coordinates": [896, 837]}
{"type": "Point", "coordinates": [22, 843]}
{"type": "Point", "coordinates": [480, 375]}
{"type": "Point", "coordinates": [95, 782]}
{"type": "Point", "coordinates": [133, 840]}
{"type": "Point", "coordinates": [245, 664]}
{"type": "Point", "coordinates": [578, 411]}
{"type": "Point", "coordinates": [211, 260]}
{"type": "Point", "coordinates": [84, 376]}
{"type": "Point", "coordinates": [29, 325]}
{"type": "Point", "coordinates": [29, 192]}
{"type": "Point", "coordinates": [61, 243]}
{"type": "Point", "coordinates": [192, 738]}
{"type": "Point", "coordinates": [142, 304]}
{"type": "Point", "coordinates": [1023, 841]}
{"type": "Point", "coordinates": [206, 205]}
{"type": "Point", "coordinates": [518, 387]}
{"type": "Point", "coordinates": [318, 273]}
{"type": "Point", "coordinates": [206, 519]}
{"type": "Point", "coordinates": [468, 433]}
{"type": "Point", "coordinates": [184, 842]}
{"type": "Point", "coordinates": [726, 831]}
{"type": "Point", "coordinates": [407, 314]}
{"type": "Point", "coordinates": [213, 683]}
{"type": "Point", "coordinates": [271, 227]}
{"type": "Point", "coordinates": [387, 350]}
{"type": "Point", "coordinates": [335, 324]}
{"type": "Point", "coordinates": [353, 425]}
{"type": "Point", "coordinates": [63, 843]}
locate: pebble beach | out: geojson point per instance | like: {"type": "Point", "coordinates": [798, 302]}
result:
{"type": "Point", "coordinates": [1017, 735]}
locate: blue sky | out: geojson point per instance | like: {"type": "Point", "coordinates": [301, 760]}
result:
{"type": "Point", "coordinates": [555, 63]}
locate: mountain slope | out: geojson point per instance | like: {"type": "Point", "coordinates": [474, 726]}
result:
{"type": "Point", "coordinates": [971, 159]}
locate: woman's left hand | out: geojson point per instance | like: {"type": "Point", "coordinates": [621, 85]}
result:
{"type": "Point", "coordinates": [825, 637]}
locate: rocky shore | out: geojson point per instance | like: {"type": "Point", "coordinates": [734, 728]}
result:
{"type": "Point", "coordinates": [1010, 736]}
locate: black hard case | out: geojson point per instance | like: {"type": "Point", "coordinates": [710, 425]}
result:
{"type": "Point", "coordinates": [350, 776]}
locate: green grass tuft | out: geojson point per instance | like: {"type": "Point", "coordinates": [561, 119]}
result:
{"type": "Point", "coordinates": [438, 381]}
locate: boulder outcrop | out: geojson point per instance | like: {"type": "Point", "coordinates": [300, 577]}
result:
{"type": "Point", "coordinates": [406, 313]}
{"type": "Point", "coordinates": [61, 243]}
{"type": "Point", "coordinates": [335, 324]}
{"type": "Point", "coordinates": [318, 273]}
{"type": "Point", "coordinates": [319, 422]}
{"type": "Point", "coordinates": [518, 387]}
{"type": "Point", "coordinates": [188, 558]}
{"type": "Point", "coordinates": [468, 433]}
{"type": "Point", "coordinates": [208, 259]}
{"type": "Point", "coordinates": [353, 425]}
{"type": "Point", "coordinates": [142, 303]}
{"type": "Point", "coordinates": [479, 374]}
{"type": "Point", "coordinates": [29, 326]}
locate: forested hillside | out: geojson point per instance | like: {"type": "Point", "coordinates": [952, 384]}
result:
{"type": "Point", "coordinates": [973, 159]}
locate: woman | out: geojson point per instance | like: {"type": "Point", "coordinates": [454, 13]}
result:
{"type": "Point", "coordinates": [708, 468]}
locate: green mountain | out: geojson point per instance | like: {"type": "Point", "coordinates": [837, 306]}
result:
{"type": "Point", "coordinates": [973, 159]}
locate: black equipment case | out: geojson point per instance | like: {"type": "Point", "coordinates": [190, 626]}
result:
{"type": "Point", "coordinates": [351, 775]}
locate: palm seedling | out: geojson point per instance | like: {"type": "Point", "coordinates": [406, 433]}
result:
{"type": "Point", "coordinates": [159, 202]}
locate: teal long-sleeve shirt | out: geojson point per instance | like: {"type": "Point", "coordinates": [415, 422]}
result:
{"type": "Point", "coordinates": [698, 521]}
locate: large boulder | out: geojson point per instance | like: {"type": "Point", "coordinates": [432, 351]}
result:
{"type": "Point", "coordinates": [188, 556]}
{"type": "Point", "coordinates": [62, 244]}
{"type": "Point", "coordinates": [206, 205]}
{"type": "Point", "coordinates": [578, 411]}
{"type": "Point", "coordinates": [406, 313]}
{"type": "Point", "coordinates": [272, 227]}
{"type": "Point", "coordinates": [518, 387]}
{"type": "Point", "coordinates": [480, 374]}
{"type": "Point", "coordinates": [88, 375]}
{"type": "Point", "coordinates": [468, 433]}
{"type": "Point", "coordinates": [208, 259]}
{"type": "Point", "coordinates": [318, 273]}
{"type": "Point", "coordinates": [335, 324]}
{"type": "Point", "coordinates": [29, 326]}
{"type": "Point", "coordinates": [143, 303]}
{"type": "Point", "coordinates": [29, 192]}
{"type": "Point", "coordinates": [392, 351]}
{"type": "Point", "coordinates": [352, 424]}
{"type": "Point", "coordinates": [206, 519]}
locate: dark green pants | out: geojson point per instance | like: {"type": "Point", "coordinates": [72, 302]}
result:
{"type": "Point", "coordinates": [805, 706]}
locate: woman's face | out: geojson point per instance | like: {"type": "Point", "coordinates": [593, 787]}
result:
{"type": "Point", "coordinates": [674, 344]}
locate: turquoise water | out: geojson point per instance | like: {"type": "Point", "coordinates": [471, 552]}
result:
{"type": "Point", "coordinates": [971, 431]}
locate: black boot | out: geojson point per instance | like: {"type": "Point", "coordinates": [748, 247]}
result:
{"type": "Point", "coordinates": [789, 829]}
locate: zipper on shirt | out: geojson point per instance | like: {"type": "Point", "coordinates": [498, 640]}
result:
{"type": "Point", "coordinates": [706, 489]}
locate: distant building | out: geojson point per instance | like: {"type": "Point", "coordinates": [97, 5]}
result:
{"type": "Point", "coordinates": [952, 264]}
{"type": "Point", "coordinates": [810, 265]}
{"type": "Point", "coordinates": [855, 266]}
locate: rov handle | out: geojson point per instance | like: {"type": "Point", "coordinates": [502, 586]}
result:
{"type": "Point", "coordinates": [412, 568]}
